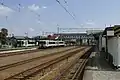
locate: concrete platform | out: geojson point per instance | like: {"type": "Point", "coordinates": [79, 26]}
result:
{"type": "Point", "coordinates": [98, 62]}
{"type": "Point", "coordinates": [101, 75]}
{"type": "Point", "coordinates": [98, 68]}
{"type": "Point", "coordinates": [17, 50]}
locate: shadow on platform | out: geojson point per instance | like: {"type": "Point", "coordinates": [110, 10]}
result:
{"type": "Point", "coordinates": [97, 62]}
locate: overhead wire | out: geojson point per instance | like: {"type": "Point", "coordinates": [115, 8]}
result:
{"type": "Point", "coordinates": [65, 9]}
{"type": "Point", "coordinates": [2, 3]}
{"type": "Point", "coordinates": [19, 9]}
{"type": "Point", "coordinates": [66, 3]}
{"type": "Point", "coordinates": [38, 15]}
{"type": "Point", "coordinates": [72, 15]}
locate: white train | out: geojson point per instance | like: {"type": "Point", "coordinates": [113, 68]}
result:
{"type": "Point", "coordinates": [26, 43]}
{"type": "Point", "coordinates": [50, 43]}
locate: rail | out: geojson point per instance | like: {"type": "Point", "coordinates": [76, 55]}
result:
{"type": "Point", "coordinates": [77, 74]}
{"type": "Point", "coordinates": [40, 68]}
{"type": "Point", "coordinates": [30, 60]}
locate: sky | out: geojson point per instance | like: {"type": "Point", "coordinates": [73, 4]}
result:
{"type": "Point", "coordinates": [35, 16]}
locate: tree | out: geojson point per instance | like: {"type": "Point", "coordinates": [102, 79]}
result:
{"type": "Point", "coordinates": [3, 35]}
{"type": "Point", "coordinates": [4, 32]}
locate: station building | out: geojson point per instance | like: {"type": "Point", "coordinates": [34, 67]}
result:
{"type": "Point", "coordinates": [112, 41]}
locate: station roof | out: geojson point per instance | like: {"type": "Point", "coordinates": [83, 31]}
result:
{"type": "Point", "coordinates": [89, 32]}
{"type": "Point", "coordinates": [107, 29]}
{"type": "Point", "coordinates": [71, 34]}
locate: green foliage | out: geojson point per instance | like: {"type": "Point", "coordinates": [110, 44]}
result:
{"type": "Point", "coordinates": [3, 35]}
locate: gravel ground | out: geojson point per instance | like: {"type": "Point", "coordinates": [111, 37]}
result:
{"type": "Point", "coordinates": [15, 70]}
{"type": "Point", "coordinates": [99, 69]}
{"type": "Point", "coordinates": [51, 75]}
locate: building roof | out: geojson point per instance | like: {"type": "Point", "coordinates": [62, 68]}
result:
{"type": "Point", "coordinates": [115, 28]}
{"type": "Point", "coordinates": [107, 29]}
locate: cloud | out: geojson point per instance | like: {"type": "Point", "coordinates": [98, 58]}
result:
{"type": "Point", "coordinates": [34, 7]}
{"type": "Point", "coordinates": [5, 11]}
{"type": "Point", "coordinates": [40, 22]}
{"type": "Point", "coordinates": [54, 23]}
{"type": "Point", "coordinates": [31, 29]}
{"type": "Point", "coordinates": [90, 22]}
{"type": "Point", "coordinates": [44, 7]}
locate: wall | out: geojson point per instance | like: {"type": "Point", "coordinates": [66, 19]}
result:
{"type": "Point", "coordinates": [113, 49]}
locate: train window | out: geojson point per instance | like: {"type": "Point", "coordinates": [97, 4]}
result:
{"type": "Point", "coordinates": [42, 42]}
{"type": "Point", "coordinates": [20, 42]}
{"type": "Point", "coordinates": [31, 42]}
{"type": "Point", "coordinates": [51, 42]}
{"type": "Point", "coordinates": [60, 42]}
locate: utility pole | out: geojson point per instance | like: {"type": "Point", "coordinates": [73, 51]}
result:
{"type": "Point", "coordinates": [57, 29]}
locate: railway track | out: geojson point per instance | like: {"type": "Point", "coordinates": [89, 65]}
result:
{"type": "Point", "coordinates": [75, 70]}
{"type": "Point", "coordinates": [26, 74]}
{"type": "Point", "coordinates": [33, 59]}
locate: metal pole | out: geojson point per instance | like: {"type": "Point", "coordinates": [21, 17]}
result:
{"type": "Point", "coordinates": [57, 29]}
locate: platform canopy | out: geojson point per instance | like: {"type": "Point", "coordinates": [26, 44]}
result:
{"type": "Point", "coordinates": [94, 31]}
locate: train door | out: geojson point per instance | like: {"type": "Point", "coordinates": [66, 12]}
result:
{"type": "Point", "coordinates": [42, 44]}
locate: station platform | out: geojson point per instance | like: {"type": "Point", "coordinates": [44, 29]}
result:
{"type": "Point", "coordinates": [17, 50]}
{"type": "Point", "coordinates": [98, 68]}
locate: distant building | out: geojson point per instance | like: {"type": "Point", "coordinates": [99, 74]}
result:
{"type": "Point", "coordinates": [94, 31]}
{"type": "Point", "coordinates": [39, 37]}
{"type": "Point", "coordinates": [79, 38]}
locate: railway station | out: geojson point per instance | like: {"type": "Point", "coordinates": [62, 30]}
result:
{"type": "Point", "coordinates": [64, 56]}
{"type": "Point", "coordinates": [59, 40]}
